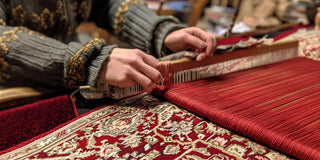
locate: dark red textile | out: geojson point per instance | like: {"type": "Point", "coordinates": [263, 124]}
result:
{"type": "Point", "coordinates": [289, 32]}
{"type": "Point", "coordinates": [277, 104]}
{"type": "Point", "coordinates": [140, 127]}
{"type": "Point", "coordinates": [22, 123]}
{"type": "Point", "coordinates": [233, 40]}
{"type": "Point", "coordinates": [236, 39]}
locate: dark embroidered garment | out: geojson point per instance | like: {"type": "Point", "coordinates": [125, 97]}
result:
{"type": "Point", "coordinates": [38, 38]}
{"type": "Point", "coordinates": [56, 18]}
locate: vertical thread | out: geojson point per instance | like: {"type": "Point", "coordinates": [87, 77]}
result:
{"type": "Point", "coordinates": [277, 104]}
{"type": "Point", "coordinates": [166, 69]}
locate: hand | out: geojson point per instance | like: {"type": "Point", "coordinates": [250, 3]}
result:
{"type": "Point", "coordinates": [194, 39]}
{"type": "Point", "coordinates": [126, 67]}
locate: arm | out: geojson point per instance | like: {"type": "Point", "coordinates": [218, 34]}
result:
{"type": "Point", "coordinates": [29, 54]}
{"type": "Point", "coordinates": [135, 23]}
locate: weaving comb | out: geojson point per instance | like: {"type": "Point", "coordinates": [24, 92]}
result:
{"type": "Point", "coordinates": [186, 69]}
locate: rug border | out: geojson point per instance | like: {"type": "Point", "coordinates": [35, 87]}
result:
{"type": "Point", "coordinates": [27, 142]}
{"type": "Point", "coordinates": [61, 127]}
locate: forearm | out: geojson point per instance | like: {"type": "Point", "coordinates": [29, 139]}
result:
{"type": "Point", "coordinates": [50, 61]}
{"type": "Point", "coordinates": [134, 23]}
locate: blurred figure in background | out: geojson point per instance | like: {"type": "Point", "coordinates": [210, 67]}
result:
{"type": "Point", "coordinates": [38, 42]}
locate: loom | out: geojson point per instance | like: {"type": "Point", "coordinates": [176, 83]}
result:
{"type": "Point", "coordinates": [271, 98]}
{"type": "Point", "coordinates": [277, 104]}
{"type": "Point", "coordinates": [186, 69]}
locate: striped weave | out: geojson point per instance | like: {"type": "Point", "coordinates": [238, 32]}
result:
{"type": "Point", "coordinates": [277, 104]}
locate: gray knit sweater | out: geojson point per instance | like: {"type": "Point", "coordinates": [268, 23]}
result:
{"type": "Point", "coordinates": [37, 37]}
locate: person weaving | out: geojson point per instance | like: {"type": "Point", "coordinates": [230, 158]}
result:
{"type": "Point", "coordinates": [38, 42]}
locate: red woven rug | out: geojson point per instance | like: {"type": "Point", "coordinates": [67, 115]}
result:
{"type": "Point", "coordinates": [22, 123]}
{"type": "Point", "coordinates": [140, 127]}
{"type": "Point", "coordinates": [277, 104]}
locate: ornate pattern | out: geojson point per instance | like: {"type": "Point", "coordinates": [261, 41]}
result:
{"type": "Point", "coordinates": [76, 65]}
{"type": "Point", "coordinates": [18, 14]}
{"type": "Point", "coordinates": [54, 21]}
{"type": "Point", "coordinates": [80, 11]}
{"type": "Point", "coordinates": [9, 36]}
{"type": "Point", "coordinates": [42, 22]}
{"type": "Point", "coordinates": [309, 45]}
{"type": "Point", "coordinates": [83, 10]}
{"type": "Point", "coordinates": [142, 127]}
{"type": "Point", "coordinates": [3, 68]}
{"type": "Point", "coordinates": [123, 8]}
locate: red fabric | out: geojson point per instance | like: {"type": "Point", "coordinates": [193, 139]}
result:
{"type": "Point", "coordinates": [141, 127]}
{"type": "Point", "coordinates": [277, 105]}
{"type": "Point", "coordinates": [287, 33]}
{"type": "Point", "coordinates": [233, 40]}
{"type": "Point", "coordinates": [22, 123]}
{"type": "Point", "coordinates": [236, 39]}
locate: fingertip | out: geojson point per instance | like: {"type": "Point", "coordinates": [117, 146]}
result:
{"type": "Point", "coordinates": [149, 89]}
{"type": "Point", "coordinates": [159, 80]}
{"type": "Point", "coordinates": [201, 57]}
{"type": "Point", "coordinates": [208, 51]}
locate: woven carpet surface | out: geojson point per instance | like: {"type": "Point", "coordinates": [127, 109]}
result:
{"type": "Point", "coordinates": [141, 127]}
{"type": "Point", "coordinates": [277, 105]}
{"type": "Point", "coordinates": [22, 123]}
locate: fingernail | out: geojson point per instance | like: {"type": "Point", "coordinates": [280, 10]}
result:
{"type": "Point", "coordinates": [203, 44]}
{"type": "Point", "coordinates": [200, 58]}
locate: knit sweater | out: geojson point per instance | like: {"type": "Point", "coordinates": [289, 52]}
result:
{"type": "Point", "coordinates": [37, 38]}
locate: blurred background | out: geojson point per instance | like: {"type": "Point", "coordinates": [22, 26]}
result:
{"type": "Point", "coordinates": [216, 16]}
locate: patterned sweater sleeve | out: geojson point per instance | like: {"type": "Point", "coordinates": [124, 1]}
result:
{"type": "Point", "coordinates": [32, 55]}
{"type": "Point", "coordinates": [133, 22]}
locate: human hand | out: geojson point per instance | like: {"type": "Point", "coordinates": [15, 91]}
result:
{"type": "Point", "coordinates": [194, 39]}
{"type": "Point", "coordinates": [126, 67]}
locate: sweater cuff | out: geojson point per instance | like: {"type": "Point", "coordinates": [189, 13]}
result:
{"type": "Point", "coordinates": [97, 63]}
{"type": "Point", "coordinates": [77, 62]}
{"type": "Point", "coordinates": [137, 24]}
{"type": "Point", "coordinates": [163, 30]}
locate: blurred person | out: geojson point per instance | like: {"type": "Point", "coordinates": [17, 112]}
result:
{"type": "Point", "coordinates": [39, 43]}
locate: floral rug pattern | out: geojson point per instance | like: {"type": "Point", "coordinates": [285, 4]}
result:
{"type": "Point", "coordinates": [142, 127]}
{"type": "Point", "coordinates": [309, 45]}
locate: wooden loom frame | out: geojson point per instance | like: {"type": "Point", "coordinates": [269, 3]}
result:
{"type": "Point", "coordinates": [187, 63]}
{"type": "Point", "coordinates": [28, 95]}
{"type": "Point", "coordinates": [186, 69]}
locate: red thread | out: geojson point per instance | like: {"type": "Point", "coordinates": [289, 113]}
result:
{"type": "Point", "coordinates": [277, 104]}
{"type": "Point", "coordinates": [166, 69]}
